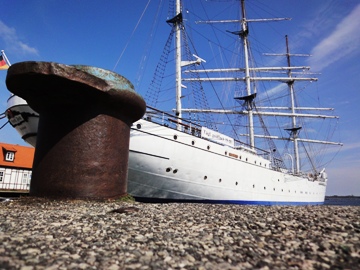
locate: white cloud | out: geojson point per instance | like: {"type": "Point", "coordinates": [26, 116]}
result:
{"type": "Point", "coordinates": [351, 146]}
{"type": "Point", "coordinates": [12, 41]}
{"type": "Point", "coordinates": [272, 92]}
{"type": "Point", "coordinates": [343, 41]}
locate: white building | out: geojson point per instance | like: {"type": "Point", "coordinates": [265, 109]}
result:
{"type": "Point", "coordinates": [15, 168]}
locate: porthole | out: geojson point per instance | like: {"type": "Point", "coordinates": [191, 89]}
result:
{"type": "Point", "coordinates": [175, 171]}
{"type": "Point", "coordinates": [240, 157]}
{"type": "Point", "coordinates": [264, 188]}
{"type": "Point", "coordinates": [193, 142]}
{"type": "Point", "coordinates": [282, 190]}
{"type": "Point", "coordinates": [220, 180]}
{"type": "Point", "coordinates": [260, 163]}
{"type": "Point", "coordinates": [246, 159]}
{"type": "Point", "coordinates": [225, 153]}
{"type": "Point", "coordinates": [274, 189]}
{"type": "Point", "coordinates": [278, 180]}
{"type": "Point", "coordinates": [236, 183]}
{"type": "Point", "coordinates": [138, 126]}
{"type": "Point", "coordinates": [289, 190]}
{"type": "Point", "coordinates": [205, 177]}
{"type": "Point", "coordinates": [255, 161]}
{"type": "Point", "coordinates": [208, 147]}
{"type": "Point", "coordinates": [168, 169]}
{"type": "Point", "coordinates": [175, 137]}
{"type": "Point", "coordinates": [253, 186]}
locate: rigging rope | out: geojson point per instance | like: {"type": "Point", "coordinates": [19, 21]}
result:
{"type": "Point", "coordinates": [2, 116]}
{"type": "Point", "coordinates": [153, 91]}
{"type": "Point", "coordinates": [198, 92]}
{"type": "Point", "coordinates": [276, 157]}
{"type": "Point", "coordinates": [136, 26]}
{"type": "Point", "coordinates": [309, 158]}
{"type": "Point", "coordinates": [147, 49]}
{"type": "Point", "coordinates": [7, 122]}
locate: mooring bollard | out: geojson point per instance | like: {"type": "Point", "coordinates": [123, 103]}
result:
{"type": "Point", "coordinates": [83, 137]}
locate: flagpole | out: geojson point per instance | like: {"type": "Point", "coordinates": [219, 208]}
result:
{"type": "Point", "coordinates": [5, 58]}
{"type": "Point", "coordinates": [6, 61]}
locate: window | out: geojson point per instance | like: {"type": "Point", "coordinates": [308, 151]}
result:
{"type": "Point", "coordinates": [1, 176]}
{"type": "Point", "coordinates": [25, 178]}
{"type": "Point", "coordinates": [9, 156]}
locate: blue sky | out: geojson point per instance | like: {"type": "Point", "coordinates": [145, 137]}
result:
{"type": "Point", "coordinates": [114, 35]}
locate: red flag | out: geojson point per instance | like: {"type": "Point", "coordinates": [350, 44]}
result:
{"type": "Point", "coordinates": [3, 64]}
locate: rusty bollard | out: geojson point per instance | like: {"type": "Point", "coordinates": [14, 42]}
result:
{"type": "Point", "coordinates": [85, 112]}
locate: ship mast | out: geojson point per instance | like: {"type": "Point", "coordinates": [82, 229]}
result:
{"type": "Point", "coordinates": [250, 96]}
{"type": "Point", "coordinates": [177, 24]}
{"type": "Point", "coordinates": [295, 129]}
{"type": "Point", "coordinates": [244, 33]}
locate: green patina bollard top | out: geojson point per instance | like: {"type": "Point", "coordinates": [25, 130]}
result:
{"type": "Point", "coordinates": [47, 86]}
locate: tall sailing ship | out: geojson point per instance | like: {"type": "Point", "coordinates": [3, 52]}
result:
{"type": "Point", "coordinates": [220, 153]}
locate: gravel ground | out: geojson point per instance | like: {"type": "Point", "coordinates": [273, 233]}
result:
{"type": "Point", "coordinates": [74, 234]}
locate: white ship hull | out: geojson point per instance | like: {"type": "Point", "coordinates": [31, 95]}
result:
{"type": "Point", "coordinates": [190, 168]}
{"type": "Point", "coordinates": [23, 119]}
{"type": "Point", "coordinates": [162, 167]}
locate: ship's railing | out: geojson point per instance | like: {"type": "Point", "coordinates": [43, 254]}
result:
{"type": "Point", "coordinates": [169, 120]}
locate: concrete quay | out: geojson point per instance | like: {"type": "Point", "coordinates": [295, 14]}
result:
{"type": "Point", "coordinates": [77, 234]}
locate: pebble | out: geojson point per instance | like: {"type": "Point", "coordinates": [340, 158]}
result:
{"type": "Point", "coordinates": [75, 234]}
